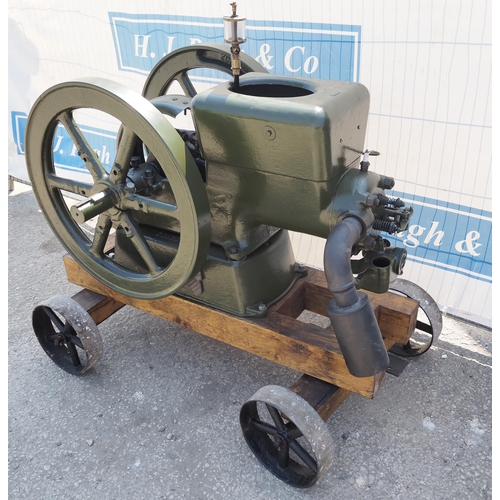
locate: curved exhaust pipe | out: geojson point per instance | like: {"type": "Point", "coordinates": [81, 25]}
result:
{"type": "Point", "coordinates": [351, 313]}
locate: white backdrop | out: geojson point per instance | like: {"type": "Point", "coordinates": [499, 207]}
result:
{"type": "Point", "coordinates": [426, 63]}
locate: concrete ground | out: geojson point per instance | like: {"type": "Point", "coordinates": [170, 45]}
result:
{"type": "Point", "coordinates": [157, 417]}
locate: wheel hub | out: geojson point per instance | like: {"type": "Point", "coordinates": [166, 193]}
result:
{"type": "Point", "coordinates": [281, 440]}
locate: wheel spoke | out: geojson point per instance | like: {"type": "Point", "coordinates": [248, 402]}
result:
{"type": "Point", "coordinates": [304, 456]}
{"type": "Point", "coordinates": [136, 237]}
{"type": "Point", "coordinates": [275, 415]}
{"type": "Point", "coordinates": [186, 84]}
{"type": "Point", "coordinates": [283, 457]}
{"type": "Point", "coordinates": [87, 154]}
{"type": "Point", "coordinates": [293, 432]}
{"type": "Point", "coordinates": [158, 209]}
{"type": "Point", "coordinates": [70, 185]}
{"type": "Point", "coordinates": [71, 336]}
{"type": "Point", "coordinates": [74, 340]}
{"type": "Point", "coordinates": [263, 426]}
{"type": "Point", "coordinates": [101, 234]}
{"type": "Point", "coordinates": [424, 327]}
{"type": "Point", "coordinates": [55, 319]}
{"type": "Point", "coordinates": [73, 353]}
{"type": "Point", "coordinates": [126, 149]}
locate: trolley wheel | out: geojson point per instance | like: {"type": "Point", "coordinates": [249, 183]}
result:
{"type": "Point", "coordinates": [287, 436]}
{"type": "Point", "coordinates": [67, 334]}
{"type": "Point", "coordinates": [429, 324]}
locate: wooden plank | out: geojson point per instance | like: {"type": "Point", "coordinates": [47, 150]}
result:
{"type": "Point", "coordinates": [306, 348]}
{"type": "Point", "coordinates": [98, 306]}
{"type": "Point", "coordinates": [322, 344]}
{"type": "Point", "coordinates": [294, 301]}
{"type": "Point", "coordinates": [325, 398]}
{"type": "Point", "coordinates": [396, 315]}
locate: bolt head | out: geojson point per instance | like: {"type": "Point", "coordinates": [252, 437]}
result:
{"type": "Point", "coordinates": [388, 182]}
{"type": "Point", "coordinates": [372, 201]}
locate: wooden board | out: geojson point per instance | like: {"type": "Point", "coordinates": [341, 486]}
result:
{"type": "Point", "coordinates": [98, 306]}
{"type": "Point", "coordinates": [279, 337]}
{"type": "Point", "coordinates": [325, 398]}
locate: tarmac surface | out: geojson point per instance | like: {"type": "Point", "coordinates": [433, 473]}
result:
{"type": "Point", "coordinates": [158, 416]}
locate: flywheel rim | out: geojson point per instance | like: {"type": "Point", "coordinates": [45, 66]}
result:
{"type": "Point", "coordinates": [175, 66]}
{"type": "Point", "coordinates": [142, 120]}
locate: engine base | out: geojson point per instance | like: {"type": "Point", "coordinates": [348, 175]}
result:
{"type": "Point", "coordinates": [244, 288]}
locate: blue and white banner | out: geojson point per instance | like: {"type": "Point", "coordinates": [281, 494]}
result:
{"type": "Point", "coordinates": [64, 152]}
{"type": "Point", "coordinates": [327, 51]}
{"type": "Point", "coordinates": [430, 111]}
{"type": "Point", "coordinates": [449, 237]}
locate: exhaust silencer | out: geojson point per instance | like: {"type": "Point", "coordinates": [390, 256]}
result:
{"type": "Point", "coordinates": [351, 314]}
{"type": "Point", "coordinates": [359, 337]}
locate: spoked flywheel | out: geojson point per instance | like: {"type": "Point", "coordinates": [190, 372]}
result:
{"type": "Point", "coordinates": [67, 334]}
{"type": "Point", "coordinates": [175, 68]}
{"type": "Point", "coordinates": [152, 182]}
{"type": "Point", "coordinates": [429, 321]}
{"type": "Point", "coordinates": [287, 435]}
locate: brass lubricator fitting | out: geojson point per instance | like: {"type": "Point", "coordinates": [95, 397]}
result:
{"type": "Point", "coordinates": [235, 34]}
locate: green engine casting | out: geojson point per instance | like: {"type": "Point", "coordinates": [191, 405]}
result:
{"type": "Point", "coordinates": [205, 213]}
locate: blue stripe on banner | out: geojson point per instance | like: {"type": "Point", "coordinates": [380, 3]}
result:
{"type": "Point", "coordinates": [18, 129]}
{"type": "Point", "coordinates": [448, 236]}
{"type": "Point", "coordinates": [326, 51]}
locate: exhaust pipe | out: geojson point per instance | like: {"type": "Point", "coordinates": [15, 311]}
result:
{"type": "Point", "coordinates": [351, 313]}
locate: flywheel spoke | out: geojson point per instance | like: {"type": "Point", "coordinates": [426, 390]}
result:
{"type": "Point", "coordinates": [141, 245]}
{"type": "Point", "coordinates": [87, 154]}
{"type": "Point", "coordinates": [69, 185]}
{"type": "Point", "coordinates": [186, 84]}
{"type": "Point", "coordinates": [175, 67]}
{"type": "Point", "coordinates": [126, 149]}
{"type": "Point", "coordinates": [101, 234]}
{"type": "Point", "coordinates": [154, 208]}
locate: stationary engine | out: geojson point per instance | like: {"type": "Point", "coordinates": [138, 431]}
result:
{"type": "Point", "coordinates": [205, 212]}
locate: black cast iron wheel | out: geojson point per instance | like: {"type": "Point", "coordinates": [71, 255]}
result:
{"type": "Point", "coordinates": [429, 321]}
{"type": "Point", "coordinates": [67, 334]}
{"type": "Point", "coordinates": [287, 436]}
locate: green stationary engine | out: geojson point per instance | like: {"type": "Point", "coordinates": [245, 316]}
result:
{"type": "Point", "coordinates": [204, 213]}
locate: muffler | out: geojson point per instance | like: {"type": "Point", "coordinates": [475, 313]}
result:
{"type": "Point", "coordinates": [350, 312]}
